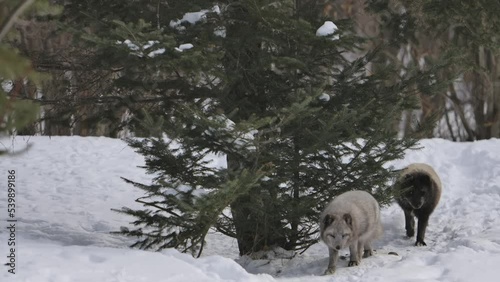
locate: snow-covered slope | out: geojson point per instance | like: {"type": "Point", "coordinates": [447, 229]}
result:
{"type": "Point", "coordinates": [66, 187]}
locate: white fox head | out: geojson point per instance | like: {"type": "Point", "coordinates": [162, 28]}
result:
{"type": "Point", "coordinates": [337, 231]}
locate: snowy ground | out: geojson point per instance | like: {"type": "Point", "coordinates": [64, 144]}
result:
{"type": "Point", "coordinates": [66, 187]}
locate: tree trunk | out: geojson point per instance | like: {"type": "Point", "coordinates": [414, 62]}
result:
{"type": "Point", "coordinates": [495, 99]}
{"type": "Point", "coordinates": [255, 216]}
{"type": "Point", "coordinates": [485, 94]}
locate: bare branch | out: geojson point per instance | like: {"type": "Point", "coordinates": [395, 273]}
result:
{"type": "Point", "coordinates": [4, 29]}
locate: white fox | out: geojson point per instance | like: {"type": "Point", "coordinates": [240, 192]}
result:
{"type": "Point", "coordinates": [351, 219]}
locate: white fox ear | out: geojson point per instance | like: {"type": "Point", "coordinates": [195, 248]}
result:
{"type": "Point", "coordinates": [328, 220]}
{"type": "Point", "coordinates": [348, 219]}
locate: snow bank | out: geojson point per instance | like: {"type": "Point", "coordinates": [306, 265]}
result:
{"type": "Point", "coordinates": [55, 263]}
{"type": "Point", "coordinates": [66, 187]}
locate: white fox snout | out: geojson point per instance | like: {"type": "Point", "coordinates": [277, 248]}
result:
{"type": "Point", "coordinates": [336, 241]}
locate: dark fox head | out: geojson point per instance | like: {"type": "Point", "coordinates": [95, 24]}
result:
{"type": "Point", "coordinates": [416, 188]}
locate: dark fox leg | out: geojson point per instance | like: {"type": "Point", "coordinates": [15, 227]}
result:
{"type": "Point", "coordinates": [423, 220]}
{"type": "Point", "coordinates": [409, 223]}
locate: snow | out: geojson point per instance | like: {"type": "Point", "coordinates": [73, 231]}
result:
{"type": "Point", "coordinates": [324, 97]}
{"type": "Point", "coordinates": [183, 47]}
{"type": "Point", "coordinates": [51, 262]}
{"type": "Point", "coordinates": [150, 44]}
{"type": "Point", "coordinates": [130, 45]}
{"type": "Point", "coordinates": [328, 28]}
{"type": "Point", "coordinates": [7, 85]}
{"type": "Point", "coordinates": [193, 17]}
{"type": "Point", "coordinates": [137, 50]}
{"type": "Point", "coordinates": [220, 31]}
{"type": "Point", "coordinates": [156, 52]}
{"type": "Point", "coordinates": [66, 187]}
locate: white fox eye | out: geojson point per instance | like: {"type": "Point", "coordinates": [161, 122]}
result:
{"type": "Point", "coordinates": [345, 236]}
{"type": "Point", "coordinates": [333, 236]}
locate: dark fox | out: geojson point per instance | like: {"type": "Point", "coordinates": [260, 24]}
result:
{"type": "Point", "coordinates": [418, 190]}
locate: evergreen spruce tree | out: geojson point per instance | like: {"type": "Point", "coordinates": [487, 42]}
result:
{"type": "Point", "coordinates": [123, 57]}
{"type": "Point", "coordinates": [298, 117]}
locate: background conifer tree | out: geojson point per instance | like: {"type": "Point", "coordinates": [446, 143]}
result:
{"type": "Point", "coordinates": [422, 33]}
{"type": "Point", "coordinates": [16, 113]}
